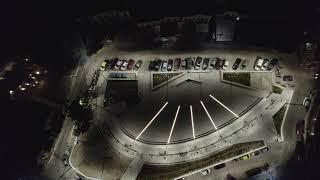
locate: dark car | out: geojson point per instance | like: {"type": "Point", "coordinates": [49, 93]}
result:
{"type": "Point", "coordinates": [244, 64]}
{"type": "Point", "coordinates": [177, 63]}
{"type": "Point", "coordinates": [220, 63]}
{"type": "Point", "coordinates": [158, 64]}
{"type": "Point", "coordinates": [130, 64]}
{"type": "Point", "coordinates": [198, 63]}
{"type": "Point", "coordinates": [189, 63]}
{"type": "Point", "coordinates": [184, 64]}
{"type": "Point", "coordinates": [236, 64]}
{"type": "Point", "coordinates": [272, 64]}
{"type": "Point", "coordinates": [170, 64]}
{"type": "Point", "coordinates": [112, 63]}
{"type": "Point", "coordinates": [137, 65]}
{"type": "Point", "coordinates": [205, 63]}
{"type": "Point", "coordinates": [219, 166]}
{"type": "Point", "coordinates": [152, 65]}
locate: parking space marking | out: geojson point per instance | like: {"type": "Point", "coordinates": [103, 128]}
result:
{"type": "Point", "coordinates": [174, 122]}
{"type": "Point", "coordinates": [204, 107]}
{"type": "Point", "coordinates": [223, 106]}
{"type": "Point", "coordinates": [145, 128]}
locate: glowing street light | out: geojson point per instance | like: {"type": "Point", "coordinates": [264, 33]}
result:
{"type": "Point", "coordinates": [205, 109]}
{"type": "Point", "coordinates": [145, 128]}
{"type": "Point", "coordinates": [174, 122]}
{"type": "Point", "coordinates": [223, 106]}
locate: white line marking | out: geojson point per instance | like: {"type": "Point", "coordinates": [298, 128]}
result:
{"type": "Point", "coordinates": [223, 105]}
{"type": "Point", "coordinates": [174, 122]}
{"type": "Point", "coordinates": [204, 107]}
{"type": "Point", "coordinates": [193, 134]}
{"type": "Point", "coordinates": [152, 120]}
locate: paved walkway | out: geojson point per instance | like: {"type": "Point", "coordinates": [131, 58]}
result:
{"type": "Point", "coordinates": [134, 168]}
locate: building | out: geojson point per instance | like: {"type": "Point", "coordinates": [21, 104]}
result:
{"type": "Point", "coordinates": [225, 28]}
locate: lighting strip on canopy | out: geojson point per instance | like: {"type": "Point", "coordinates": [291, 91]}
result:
{"type": "Point", "coordinates": [204, 107]}
{"type": "Point", "coordinates": [174, 122]}
{"type": "Point", "coordinates": [223, 106]}
{"type": "Point", "coordinates": [145, 128]}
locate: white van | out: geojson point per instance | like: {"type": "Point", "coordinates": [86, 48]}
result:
{"type": "Point", "coordinates": [258, 64]}
{"type": "Point", "coordinates": [225, 65]}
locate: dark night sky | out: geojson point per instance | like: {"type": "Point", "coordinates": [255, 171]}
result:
{"type": "Point", "coordinates": [30, 25]}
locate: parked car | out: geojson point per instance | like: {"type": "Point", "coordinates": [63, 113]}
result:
{"type": "Point", "coordinates": [170, 64]}
{"type": "Point", "coordinates": [164, 66]}
{"type": "Point", "coordinates": [184, 63]}
{"type": "Point", "coordinates": [152, 65]}
{"type": "Point", "coordinates": [225, 64]}
{"type": "Point", "coordinates": [177, 63]}
{"type": "Point", "coordinates": [138, 64]}
{"type": "Point", "coordinates": [272, 64]}
{"type": "Point", "coordinates": [118, 64]}
{"type": "Point", "coordinates": [244, 64]}
{"type": "Point", "coordinates": [219, 166]}
{"type": "Point", "coordinates": [265, 64]}
{"type": "Point", "coordinates": [112, 63]}
{"type": "Point", "coordinates": [124, 65]}
{"type": "Point", "coordinates": [205, 172]}
{"type": "Point", "coordinates": [189, 63]}
{"type": "Point", "coordinates": [205, 63]}
{"type": "Point", "coordinates": [198, 63]}
{"type": "Point", "coordinates": [258, 63]}
{"type": "Point", "coordinates": [236, 64]}
{"type": "Point", "coordinates": [130, 64]}
{"type": "Point", "coordinates": [287, 78]}
{"type": "Point", "coordinates": [213, 63]}
{"type": "Point", "coordinates": [220, 63]}
{"type": "Point", "coordinates": [158, 63]}
{"type": "Point", "coordinates": [306, 102]}
{"type": "Point", "coordinates": [104, 65]}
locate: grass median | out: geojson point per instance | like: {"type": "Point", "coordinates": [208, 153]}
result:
{"type": "Point", "coordinates": [159, 78]}
{"type": "Point", "coordinates": [240, 78]}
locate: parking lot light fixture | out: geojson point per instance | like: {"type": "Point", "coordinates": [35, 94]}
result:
{"type": "Point", "coordinates": [205, 109]}
{"type": "Point", "coordinates": [191, 113]}
{"type": "Point", "coordinates": [224, 106]}
{"type": "Point", "coordinates": [174, 122]}
{"type": "Point", "coordinates": [145, 128]}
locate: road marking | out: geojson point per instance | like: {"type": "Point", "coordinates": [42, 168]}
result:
{"type": "Point", "coordinates": [193, 134]}
{"type": "Point", "coordinates": [204, 107]}
{"type": "Point", "coordinates": [145, 128]}
{"type": "Point", "coordinates": [174, 122]}
{"type": "Point", "coordinates": [223, 106]}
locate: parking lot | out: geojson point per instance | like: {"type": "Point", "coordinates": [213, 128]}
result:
{"type": "Point", "coordinates": [242, 113]}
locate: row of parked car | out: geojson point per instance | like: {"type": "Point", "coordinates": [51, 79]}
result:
{"type": "Point", "coordinates": [208, 63]}
{"type": "Point", "coordinates": [188, 64]}
{"type": "Point", "coordinates": [120, 64]}
{"type": "Point", "coordinates": [265, 64]}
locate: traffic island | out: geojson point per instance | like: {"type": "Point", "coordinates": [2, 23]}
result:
{"type": "Point", "coordinates": [278, 119]}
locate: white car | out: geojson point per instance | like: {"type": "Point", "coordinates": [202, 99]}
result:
{"type": "Point", "coordinates": [164, 66]}
{"type": "Point", "coordinates": [124, 65]}
{"type": "Point", "coordinates": [118, 65]}
{"type": "Point", "coordinates": [205, 172]}
{"type": "Point", "coordinates": [306, 101]}
{"type": "Point", "coordinates": [225, 65]}
{"type": "Point", "coordinates": [258, 64]}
